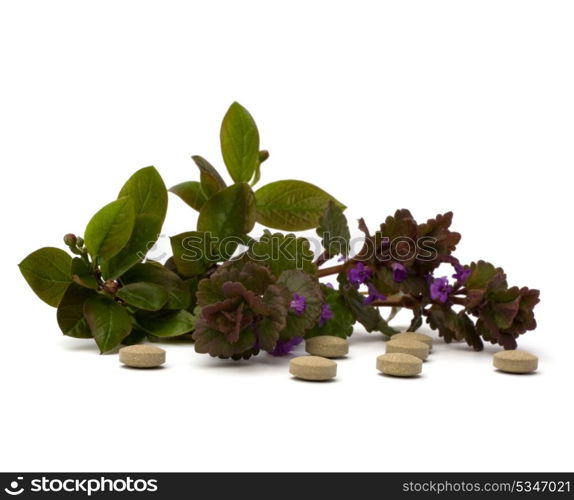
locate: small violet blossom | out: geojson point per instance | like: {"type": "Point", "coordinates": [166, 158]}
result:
{"type": "Point", "coordinates": [440, 289]}
{"type": "Point", "coordinates": [326, 315]}
{"type": "Point", "coordinates": [298, 304]}
{"type": "Point", "coordinates": [358, 274]}
{"type": "Point", "coordinates": [462, 273]}
{"type": "Point", "coordinates": [399, 272]}
{"type": "Point", "coordinates": [374, 295]}
{"type": "Point", "coordinates": [284, 347]}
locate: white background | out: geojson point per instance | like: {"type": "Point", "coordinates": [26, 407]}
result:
{"type": "Point", "coordinates": [432, 106]}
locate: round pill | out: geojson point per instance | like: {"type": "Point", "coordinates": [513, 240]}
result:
{"type": "Point", "coordinates": [413, 347]}
{"type": "Point", "coordinates": [419, 337]}
{"type": "Point", "coordinates": [399, 364]}
{"type": "Point", "coordinates": [142, 356]}
{"type": "Point", "coordinates": [327, 346]}
{"type": "Point", "coordinates": [515, 361]}
{"type": "Point", "coordinates": [312, 368]}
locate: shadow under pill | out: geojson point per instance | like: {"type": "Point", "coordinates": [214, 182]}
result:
{"type": "Point", "coordinates": [314, 381]}
{"type": "Point", "coordinates": [413, 377]}
{"type": "Point", "coordinates": [143, 369]}
{"type": "Point", "coordinates": [529, 374]}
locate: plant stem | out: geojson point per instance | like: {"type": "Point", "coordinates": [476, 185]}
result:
{"type": "Point", "coordinates": [86, 259]}
{"type": "Point", "coordinates": [322, 259]}
{"type": "Point", "coordinates": [397, 301]}
{"type": "Point", "coordinates": [328, 271]}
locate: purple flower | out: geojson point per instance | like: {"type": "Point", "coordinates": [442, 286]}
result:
{"type": "Point", "coordinates": [330, 285]}
{"type": "Point", "coordinates": [358, 274]}
{"type": "Point", "coordinates": [462, 273]}
{"type": "Point", "coordinates": [284, 347]}
{"type": "Point", "coordinates": [399, 272]}
{"type": "Point", "coordinates": [326, 315]}
{"type": "Point", "coordinates": [298, 304]}
{"type": "Point", "coordinates": [374, 295]}
{"type": "Point", "coordinates": [440, 289]}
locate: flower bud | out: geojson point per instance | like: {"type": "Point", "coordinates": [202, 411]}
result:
{"type": "Point", "coordinates": [111, 287]}
{"type": "Point", "coordinates": [263, 155]}
{"type": "Point", "coordinates": [70, 240]}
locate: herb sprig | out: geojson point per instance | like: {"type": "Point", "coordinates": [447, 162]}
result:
{"type": "Point", "coordinates": [239, 295]}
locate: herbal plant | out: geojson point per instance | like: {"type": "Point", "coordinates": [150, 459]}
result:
{"type": "Point", "coordinates": [249, 303]}
{"type": "Point", "coordinates": [228, 213]}
{"type": "Point", "coordinates": [268, 296]}
{"type": "Point", "coordinates": [104, 290]}
{"type": "Point", "coordinates": [398, 266]}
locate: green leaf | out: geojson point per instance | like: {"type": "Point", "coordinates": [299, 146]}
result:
{"type": "Point", "coordinates": [392, 239]}
{"type": "Point", "coordinates": [167, 323]}
{"type": "Point", "coordinates": [168, 264]}
{"type": "Point", "coordinates": [438, 235]}
{"type": "Point", "coordinates": [281, 252]}
{"type": "Point", "coordinates": [48, 271]}
{"type": "Point", "coordinates": [135, 337]}
{"type": "Point", "coordinates": [334, 231]}
{"type": "Point", "coordinates": [153, 272]}
{"type": "Point", "coordinates": [401, 224]}
{"type": "Point", "coordinates": [252, 276]}
{"type": "Point", "coordinates": [416, 322]}
{"type": "Point", "coordinates": [109, 322]}
{"type": "Point", "coordinates": [504, 306]}
{"type": "Point", "coordinates": [305, 285]}
{"type": "Point", "coordinates": [192, 253]}
{"type": "Point", "coordinates": [385, 283]}
{"type": "Point", "coordinates": [149, 195]}
{"type": "Point", "coordinates": [71, 312]}
{"type": "Point", "coordinates": [82, 274]}
{"type": "Point", "coordinates": [453, 326]}
{"type": "Point", "coordinates": [110, 228]}
{"type": "Point", "coordinates": [146, 232]}
{"type": "Point", "coordinates": [146, 296]}
{"type": "Point", "coordinates": [192, 285]}
{"type": "Point", "coordinates": [239, 143]}
{"type": "Point", "coordinates": [468, 330]}
{"type": "Point", "coordinates": [230, 213]}
{"type": "Point", "coordinates": [147, 191]}
{"type": "Point", "coordinates": [503, 313]}
{"type": "Point", "coordinates": [485, 276]}
{"type": "Point", "coordinates": [236, 299]}
{"type": "Point", "coordinates": [369, 316]}
{"type": "Point", "coordinates": [292, 205]}
{"type": "Point", "coordinates": [341, 324]}
{"type": "Point", "coordinates": [211, 181]}
{"type": "Point", "coordinates": [444, 319]}
{"type": "Point", "coordinates": [191, 193]}
{"type": "Point", "coordinates": [212, 341]}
